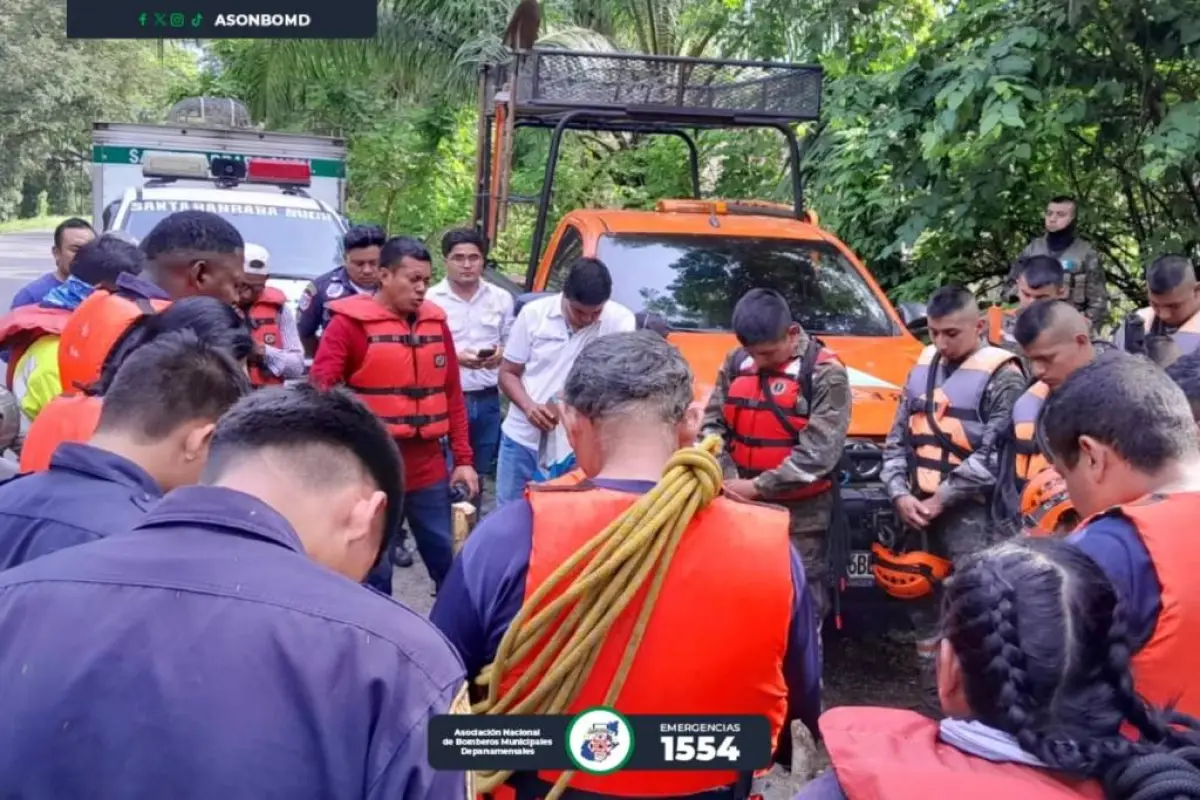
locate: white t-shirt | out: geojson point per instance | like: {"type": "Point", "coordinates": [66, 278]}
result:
{"type": "Point", "coordinates": [543, 341]}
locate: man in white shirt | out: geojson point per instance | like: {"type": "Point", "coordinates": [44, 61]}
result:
{"type": "Point", "coordinates": [479, 315]}
{"type": "Point", "coordinates": [542, 346]}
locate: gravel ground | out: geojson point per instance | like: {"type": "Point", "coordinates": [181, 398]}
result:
{"type": "Point", "coordinates": [874, 671]}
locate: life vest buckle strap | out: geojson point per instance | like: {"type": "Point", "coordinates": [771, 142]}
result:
{"type": "Point", "coordinates": [751, 441]}
{"type": "Point", "coordinates": [418, 421]}
{"type": "Point", "coordinates": [409, 339]}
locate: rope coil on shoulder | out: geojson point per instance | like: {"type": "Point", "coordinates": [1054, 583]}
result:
{"type": "Point", "coordinates": [598, 583]}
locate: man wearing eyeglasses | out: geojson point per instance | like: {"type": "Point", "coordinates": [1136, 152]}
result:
{"type": "Point", "coordinates": [479, 315]}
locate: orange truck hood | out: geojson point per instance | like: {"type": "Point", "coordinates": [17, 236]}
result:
{"type": "Point", "coordinates": [878, 367]}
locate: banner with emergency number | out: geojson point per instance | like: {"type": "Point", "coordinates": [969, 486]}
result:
{"type": "Point", "coordinates": [599, 741]}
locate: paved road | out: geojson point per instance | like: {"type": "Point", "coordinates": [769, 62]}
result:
{"type": "Point", "coordinates": [23, 257]}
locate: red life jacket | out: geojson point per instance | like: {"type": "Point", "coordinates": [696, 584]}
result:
{"type": "Point", "coordinates": [761, 411]}
{"type": "Point", "coordinates": [893, 754]}
{"type": "Point", "coordinates": [263, 319]}
{"type": "Point", "coordinates": [23, 326]}
{"type": "Point", "coordinates": [66, 418]}
{"type": "Point", "coordinates": [1164, 669]}
{"type": "Point", "coordinates": [742, 547]}
{"type": "Point", "coordinates": [92, 332]}
{"type": "Point", "coordinates": [403, 377]}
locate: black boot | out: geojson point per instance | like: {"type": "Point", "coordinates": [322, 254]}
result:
{"type": "Point", "coordinates": [400, 554]}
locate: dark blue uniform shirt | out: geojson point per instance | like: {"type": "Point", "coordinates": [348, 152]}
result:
{"type": "Point", "coordinates": [204, 655]}
{"type": "Point", "coordinates": [87, 493]}
{"type": "Point", "coordinates": [486, 587]}
{"type": "Point", "coordinates": [333, 285]}
{"type": "Point", "coordinates": [36, 290]}
{"type": "Point", "coordinates": [1114, 544]}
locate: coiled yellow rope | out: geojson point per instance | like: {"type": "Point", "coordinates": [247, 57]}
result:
{"type": "Point", "coordinates": [618, 561]}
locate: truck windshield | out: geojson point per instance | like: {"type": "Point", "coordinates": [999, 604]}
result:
{"type": "Point", "coordinates": [695, 281]}
{"type": "Point", "coordinates": [303, 243]}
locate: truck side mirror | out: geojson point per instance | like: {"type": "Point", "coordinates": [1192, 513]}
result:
{"type": "Point", "coordinates": [527, 297]}
{"type": "Point", "coordinates": [914, 315]}
{"type": "Point", "coordinates": [651, 321]}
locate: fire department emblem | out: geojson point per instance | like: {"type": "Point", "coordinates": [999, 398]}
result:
{"type": "Point", "coordinates": [269, 339]}
{"type": "Point", "coordinates": [599, 741]}
{"type": "Point", "coordinates": [439, 360]}
{"type": "Point", "coordinates": [778, 387]}
{"type": "Point", "coordinates": [334, 291]}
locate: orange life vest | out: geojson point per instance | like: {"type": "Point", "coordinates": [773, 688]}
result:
{"type": "Point", "coordinates": [1029, 458]}
{"type": "Point", "coordinates": [742, 547]}
{"type": "Point", "coordinates": [1165, 669]}
{"type": "Point", "coordinates": [1000, 321]}
{"type": "Point", "coordinates": [92, 332]}
{"type": "Point", "coordinates": [263, 319]}
{"type": "Point", "coordinates": [761, 411]}
{"type": "Point", "coordinates": [572, 478]}
{"type": "Point", "coordinates": [894, 754]}
{"type": "Point", "coordinates": [403, 377]}
{"type": "Point", "coordinates": [955, 411]}
{"type": "Point", "coordinates": [1186, 338]}
{"type": "Point", "coordinates": [66, 418]}
{"type": "Point", "coordinates": [23, 326]}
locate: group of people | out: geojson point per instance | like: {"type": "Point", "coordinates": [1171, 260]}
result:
{"type": "Point", "coordinates": [188, 562]}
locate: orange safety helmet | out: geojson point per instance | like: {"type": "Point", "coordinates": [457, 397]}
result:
{"type": "Point", "coordinates": [908, 576]}
{"type": "Point", "coordinates": [1045, 507]}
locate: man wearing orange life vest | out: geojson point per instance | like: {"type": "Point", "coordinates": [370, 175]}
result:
{"type": "Point", "coordinates": [1056, 341]}
{"type": "Point", "coordinates": [278, 353]}
{"type": "Point", "coordinates": [734, 584]}
{"type": "Point", "coordinates": [1174, 310]}
{"type": "Point", "coordinates": [1121, 434]}
{"type": "Point", "coordinates": [941, 459]}
{"type": "Point", "coordinates": [188, 253]}
{"type": "Point", "coordinates": [395, 351]}
{"type": "Point", "coordinates": [781, 403]}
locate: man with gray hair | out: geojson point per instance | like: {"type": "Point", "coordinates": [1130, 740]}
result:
{"type": "Point", "coordinates": [627, 410]}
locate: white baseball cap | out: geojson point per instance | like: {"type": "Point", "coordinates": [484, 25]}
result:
{"type": "Point", "coordinates": [257, 259]}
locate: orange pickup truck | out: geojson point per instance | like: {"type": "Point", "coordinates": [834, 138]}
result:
{"type": "Point", "coordinates": [682, 266]}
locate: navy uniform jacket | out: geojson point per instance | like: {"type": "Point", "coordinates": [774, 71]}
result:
{"type": "Point", "coordinates": [1115, 545]}
{"type": "Point", "coordinates": [333, 285]}
{"type": "Point", "coordinates": [86, 494]}
{"type": "Point", "coordinates": [204, 655]}
{"type": "Point", "coordinates": [486, 587]}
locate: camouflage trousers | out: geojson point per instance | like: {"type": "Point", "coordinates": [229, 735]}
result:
{"type": "Point", "coordinates": [809, 526]}
{"type": "Point", "coordinates": [958, 532]}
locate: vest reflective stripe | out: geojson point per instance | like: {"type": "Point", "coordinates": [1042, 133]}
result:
{"type": "Point", "coordinates": [956, 402]}
{"type": "Point", "coordinates": [403, 377]}
{"type": "Point", "coordinates": [743, 548]}
{"type": "Point", "coordinates": [92, 332]}
{"type": "Point", "coordinates": [759, 440]}
{"type": "Point", "coordinates": [263, 319]}
{"type": "Point", "coordinates": [66, 418]}
{"type": "Point", "coordinates": [1165, 669]}
{"type": "Point", "coordinates": [23, 326]}
{"type": "Point", "coordinates": [893, 754]}
{"type": "Point", "coordinates": [1186, 338]}
{"type": "Point", "coordinates": [1030, 460]}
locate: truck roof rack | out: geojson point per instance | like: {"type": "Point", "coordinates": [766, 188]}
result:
{"type": "Point", "coordinates": [632, 93]}
{"type": "Point", "coordinates": [634, 89]}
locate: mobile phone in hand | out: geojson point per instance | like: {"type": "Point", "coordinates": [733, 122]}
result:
{"type": "Point", "coordinates": [487, 352]}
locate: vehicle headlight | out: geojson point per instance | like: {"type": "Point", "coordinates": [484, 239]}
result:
{"type": "Point", "coordinates": [863, 462]}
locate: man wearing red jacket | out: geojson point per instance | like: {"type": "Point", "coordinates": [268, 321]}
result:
{"type": "Point", "coordinates": [394, 351]}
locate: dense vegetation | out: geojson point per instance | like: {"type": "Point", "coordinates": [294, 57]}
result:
{"type": "Point", "coordinates": [945, 127]}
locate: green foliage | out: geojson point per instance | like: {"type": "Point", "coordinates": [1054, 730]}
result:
{"type": "Point", "coordinates": [53, 89]}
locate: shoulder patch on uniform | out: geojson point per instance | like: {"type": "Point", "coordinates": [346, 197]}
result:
{"type": "Point", "coordinates": [306, 298]}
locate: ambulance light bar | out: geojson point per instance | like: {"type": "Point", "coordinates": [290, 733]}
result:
{"type": "Point", "coordinates": [289, 173]}
{"type": "Point", "coordinates": [158, 164]}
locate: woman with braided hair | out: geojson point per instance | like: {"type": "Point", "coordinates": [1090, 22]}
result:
{"type": "Point", "coordinates": [1033, 675]}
